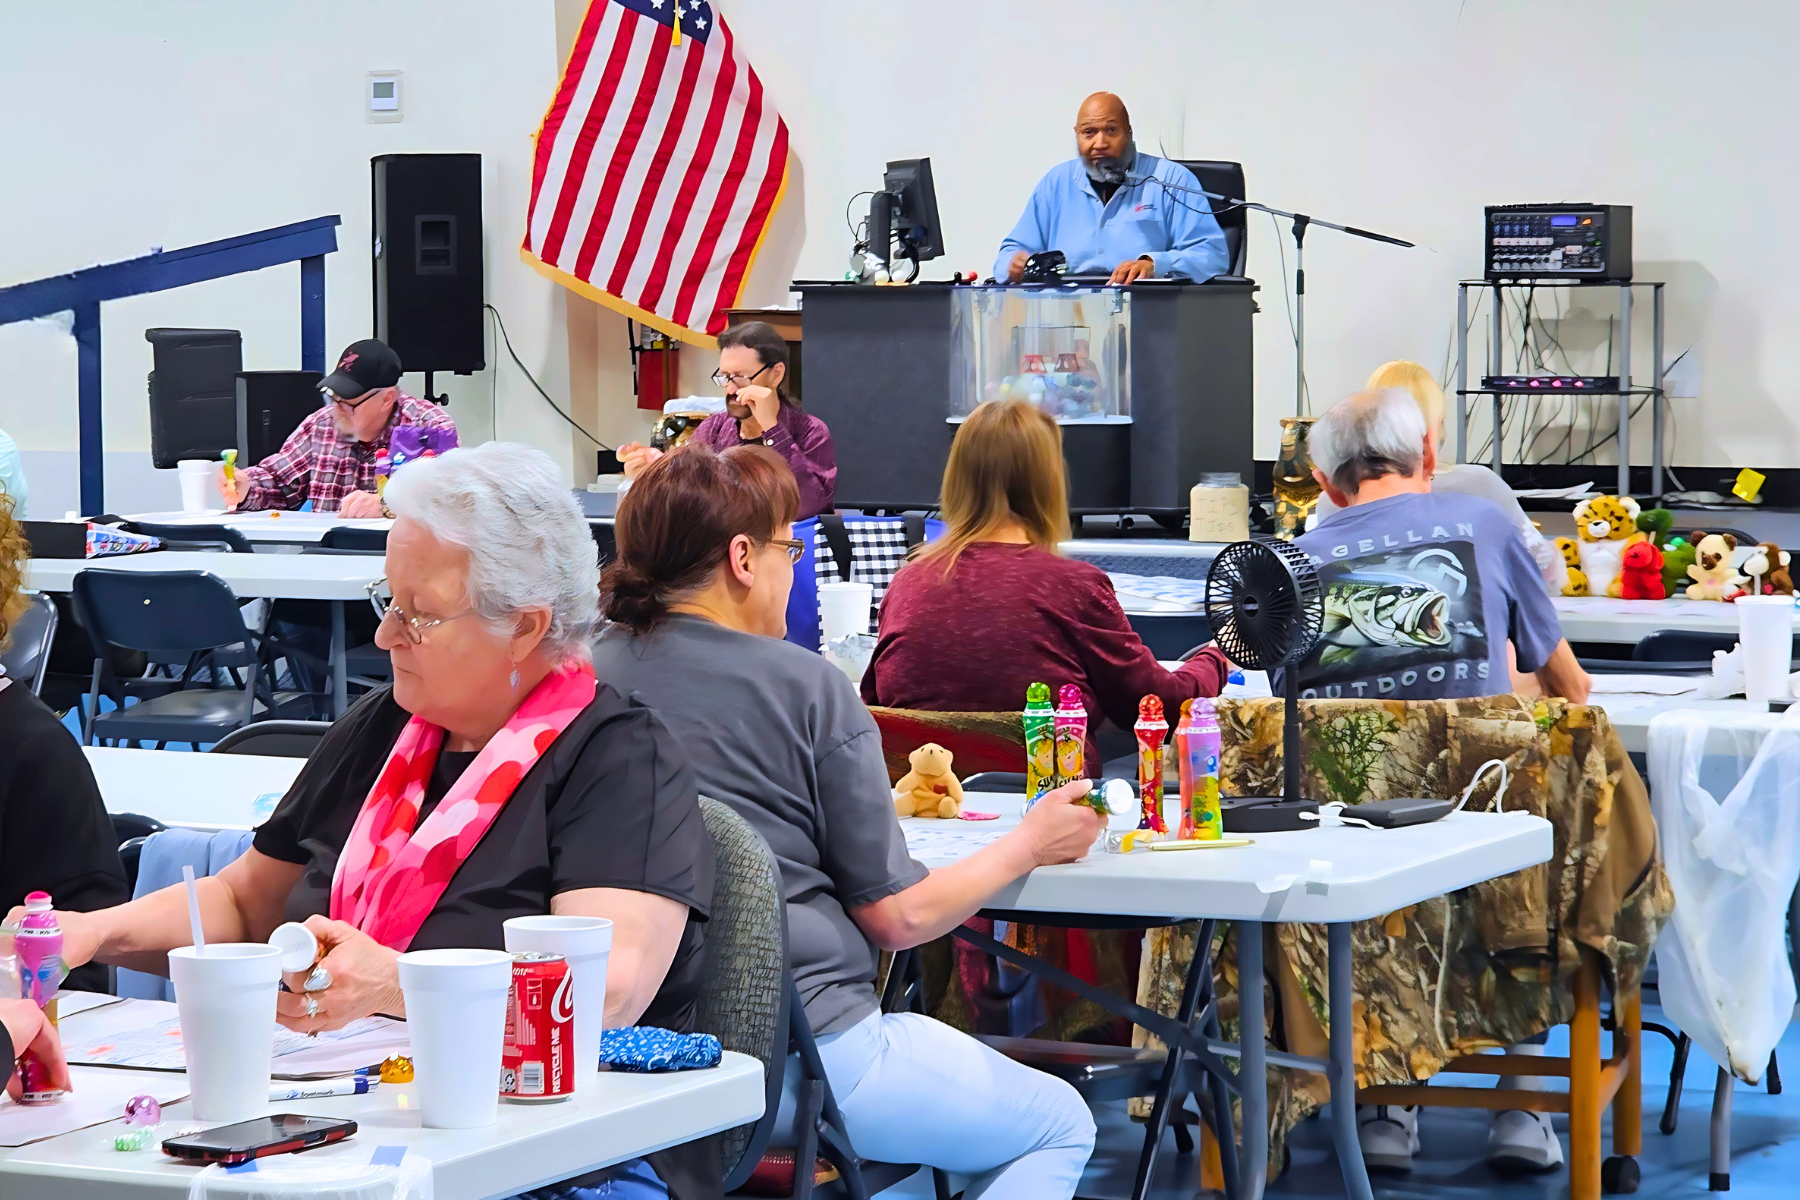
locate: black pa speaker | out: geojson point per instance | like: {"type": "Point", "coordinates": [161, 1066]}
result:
{"type": "Point", "coordinates": [427, 259]}
{"type": "Point", "coordinates": [193, 392]}
{"type": "Point", "coordinates": [270, 406]}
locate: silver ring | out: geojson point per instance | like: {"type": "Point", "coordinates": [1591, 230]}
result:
{"type": "Point", "coordinates": [319, 980]}
{"type": "Point", "coordinates": [312, 1006]}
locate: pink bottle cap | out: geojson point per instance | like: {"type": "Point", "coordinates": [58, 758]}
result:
{"type": "Point", "coordinates": [1068, 696]}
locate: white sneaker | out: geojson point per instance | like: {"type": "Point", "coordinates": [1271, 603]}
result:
{"type": "Point", "coordinates": [1523, 1141]}
{"type": "Point", "coordinates": [1389, 1135]}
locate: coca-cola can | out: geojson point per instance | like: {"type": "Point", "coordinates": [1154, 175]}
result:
{"type": "Point", "coordinates": [538, 1059]}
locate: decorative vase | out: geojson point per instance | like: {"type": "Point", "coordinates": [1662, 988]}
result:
{"type": "Point", "coordinates": [1296, 491]}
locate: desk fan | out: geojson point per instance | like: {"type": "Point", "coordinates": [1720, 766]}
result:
{"type": "Point", "coordinates": [1266, 607]}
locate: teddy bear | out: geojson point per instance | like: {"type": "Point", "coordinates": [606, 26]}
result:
{"type": "Point", "coordinates": [1604, 527]}
{"type": "Point", "coordinates": [1768, 568]}
{"type": "Point", "coordinates": [1640, 573]}
{"type": "Point", "coordinates": [1713, 575]}
{"type": "Point", "coordinates": [929, 789]}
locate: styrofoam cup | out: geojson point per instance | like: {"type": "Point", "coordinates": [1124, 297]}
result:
{"type": "Point", "coordinates": [199, 485]}
{"type": "Point", "coordinates": [585, 942]}
{"type": "Point", "coordinates": [225, 999]}
{"type": "Point", "coordinates": [844, 608]}
{"type": "Point", "coordinates": [1766, 638]}
{"type": "Point", "coordinates": [456, 1017]}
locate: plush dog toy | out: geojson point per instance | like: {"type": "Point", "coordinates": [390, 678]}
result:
{"type": "Point", "coordinates": [1640, 573]}
{"type": "Point", "coordinates": [1713, 575]}
{"type": "Point", "coordinates": [1604, 527]}
{"type": "Point", "coordinates": [929, 789]}
{"type": "Point", "coordinates": [1767, 567]}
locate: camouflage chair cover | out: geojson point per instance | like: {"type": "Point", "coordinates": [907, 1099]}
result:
{"type": "Point", "coordinates": [1501, 970]}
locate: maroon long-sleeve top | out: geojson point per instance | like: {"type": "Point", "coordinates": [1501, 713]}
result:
{"type": "Point", "coordinates": [1008, 616]}
{"type": "Point", "coordinates": [799, 437]}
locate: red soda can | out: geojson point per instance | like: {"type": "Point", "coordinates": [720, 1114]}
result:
{"type": "Point", "coordinates": [538, 1059]}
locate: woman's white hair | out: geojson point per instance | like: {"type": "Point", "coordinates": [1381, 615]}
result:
{"type": "Point", "coordinates": [1367, 435]}
{"type": "Point", "coordinates": [528, 544]}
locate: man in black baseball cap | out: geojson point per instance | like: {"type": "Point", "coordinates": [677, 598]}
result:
{"type": "Point", "coordinates": [331, 458]}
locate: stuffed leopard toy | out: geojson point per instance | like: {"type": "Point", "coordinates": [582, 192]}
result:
{"type": "Point", "coordinates": [1604, 527]}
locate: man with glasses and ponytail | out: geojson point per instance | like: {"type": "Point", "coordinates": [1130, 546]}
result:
{"type": "Point", "coordinates": [331, 457]}
{"type": "Point", "coordinates": [759, 411]}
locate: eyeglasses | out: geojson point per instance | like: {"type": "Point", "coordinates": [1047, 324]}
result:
{"type": "Point", "coordinates": [720, 378]}
{"type": "Point", "coordinates": [794, 547]}
{"type": "Point", "coordinates": [381, 597]}
{"type": "Point", "coordinates": [332, 397]}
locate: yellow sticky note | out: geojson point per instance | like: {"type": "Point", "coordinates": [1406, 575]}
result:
{"type": "Point", "coordinates": [1748, 486]}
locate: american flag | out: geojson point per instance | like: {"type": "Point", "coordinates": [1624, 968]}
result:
{"type": "Point", "coordinates": [657, 166]}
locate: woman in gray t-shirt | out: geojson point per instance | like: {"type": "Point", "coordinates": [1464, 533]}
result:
{"type": "Point", "coordinates": [698, 600]}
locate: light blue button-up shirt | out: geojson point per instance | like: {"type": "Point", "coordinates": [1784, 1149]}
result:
{"type": "Point", "coordinates": [1175, 228]}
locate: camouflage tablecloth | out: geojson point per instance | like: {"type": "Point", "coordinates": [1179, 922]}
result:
{"type": "Point", "coordinates": [1486, 966]}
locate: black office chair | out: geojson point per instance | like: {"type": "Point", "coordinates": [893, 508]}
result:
{"type": "Point", "coordinates": [277, 739]}
{"type": "Point", "coordinates": [171, 616]}
{"type": "Point", "coordinates": [1224, 179]}
{"type": "Point", "coordinates": [351, 537]}
{"type": "Point", "coordinates": [604, 540]}
{"type": "Point", "coordinates": [193, 537]}
{"type": "Point", "coordinates": [27, 655]}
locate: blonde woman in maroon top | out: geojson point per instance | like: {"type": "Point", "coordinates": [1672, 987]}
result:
{"type": "Point", "coordinates": [991, 607]}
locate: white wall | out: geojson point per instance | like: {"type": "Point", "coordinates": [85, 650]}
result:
{"type": "Point", "coordinates": [131, 125]}
{"type": "Point", "coordinates": [128, 126]}
{"type": "Point", "coordinates": [1403, 116]}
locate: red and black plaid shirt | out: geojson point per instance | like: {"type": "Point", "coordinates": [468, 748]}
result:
{"type": "Point", "coordinates": [317, 463]}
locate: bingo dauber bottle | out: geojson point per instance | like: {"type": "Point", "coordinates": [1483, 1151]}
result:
{"type": "Point", "coordinates": [1040, 743]}
{"type": "Point", "coordinates": [38, 947]}
{"type": "Point", "coordinates": [1203, 746]}
{"type": "Point", "coordinates": [1071, 735]}
{"type": "Point", "coordinates": [1152, 731]}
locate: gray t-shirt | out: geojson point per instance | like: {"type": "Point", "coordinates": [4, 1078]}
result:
{"type": "Point", "coordinates": [780, 735]}
{"type": "Point", "coordinates": [1422, 593]}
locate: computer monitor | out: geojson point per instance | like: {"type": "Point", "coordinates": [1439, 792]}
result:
{"type": "Point", "coordinates": [905, 209]}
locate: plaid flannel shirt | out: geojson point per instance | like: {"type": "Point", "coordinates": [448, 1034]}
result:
{"type": "Point", "coordinates": [316, 463]}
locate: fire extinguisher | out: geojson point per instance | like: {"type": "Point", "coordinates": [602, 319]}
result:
{"type": "Point", "coordinates": [654, 355]}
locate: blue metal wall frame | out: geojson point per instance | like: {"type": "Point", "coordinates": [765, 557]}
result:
{"type": "Point", "coordinates": [81, 292]}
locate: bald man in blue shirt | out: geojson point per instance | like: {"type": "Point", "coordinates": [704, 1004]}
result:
{"type": "Point", "coordinates": [1108, 210]}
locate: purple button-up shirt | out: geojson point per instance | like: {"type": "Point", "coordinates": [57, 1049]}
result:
{"type": "Point", "coordinates": [800, 438]}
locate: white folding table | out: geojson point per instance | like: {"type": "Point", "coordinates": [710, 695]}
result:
{"type": "Point", "coordinates": [208, 792]}
{"type": "Point", "coordinates": [338, 578]}
{"type": "Point", "coordinates": [619, 1117]}
{"type": "Point", "coordinates": [1333, 876]}
{"type": "Point", "coordinates": [1627, 622]}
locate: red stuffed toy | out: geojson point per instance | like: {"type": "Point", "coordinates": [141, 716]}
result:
{"type": "Point", "coordinates": [1640, 573]}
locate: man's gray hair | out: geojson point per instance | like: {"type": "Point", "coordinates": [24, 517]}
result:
{"type": "Point", "coordinates": [529, 546]}
{"type": "Point", "coordinates": [1367, 435]}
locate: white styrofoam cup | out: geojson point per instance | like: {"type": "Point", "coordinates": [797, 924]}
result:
{"type": "Point", "coordinates": [199, 485]}
{"type": "Point", "coordinates": [225, 999]}
{"type": "Point", "coordinates": [456, 1016]}
{"type": "Point", "coordinates": [844, 608]}
{"type": "Point", "coordinates": [1766, 637]}
{"type": "Point", "coordinates": [585, 942]}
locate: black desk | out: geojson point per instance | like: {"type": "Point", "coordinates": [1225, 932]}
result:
{"type": "Point", "coordinates": [878, 372]}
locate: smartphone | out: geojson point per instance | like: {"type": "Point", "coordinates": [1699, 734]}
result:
{"type": "Point", "coordinates": [283, 1133]}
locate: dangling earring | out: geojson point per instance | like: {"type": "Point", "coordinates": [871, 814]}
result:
{"type": "Point", "coordinates": [515, 679]}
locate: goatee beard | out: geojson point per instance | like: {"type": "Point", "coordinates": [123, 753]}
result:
{"type": "Point", "coordinates": [1111, 170]}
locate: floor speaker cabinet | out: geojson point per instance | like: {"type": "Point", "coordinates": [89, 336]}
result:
{"type": "Point", "coordinates": [270, 406]}
{"type": "Point", "coordinates": [426, 258]}
{"type": "Point", "coordinates": [193, 392]}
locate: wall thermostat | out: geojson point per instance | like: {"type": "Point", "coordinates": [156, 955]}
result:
{"type": "Point", "coordinates": [382, 96]}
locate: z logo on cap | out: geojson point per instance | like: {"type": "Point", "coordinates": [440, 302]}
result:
{"type": "Point", "coordinates": [344, 363]}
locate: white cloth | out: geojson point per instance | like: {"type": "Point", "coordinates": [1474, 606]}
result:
{"type": "Point", "coordinates": [1473, 479]}
{"type": "Point", "coordinates": [912, 1089]}
{"type": "Point", "coordinates": [1722, 965]}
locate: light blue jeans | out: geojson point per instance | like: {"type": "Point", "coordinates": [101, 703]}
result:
{"type": "Point", "coordinates": [912, 1089]}
{"type": "Point", "coordinates": [635, 1180]}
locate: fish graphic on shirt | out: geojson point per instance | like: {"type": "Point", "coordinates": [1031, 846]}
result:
{"type": "Point", "coordinates": [1377, 610]}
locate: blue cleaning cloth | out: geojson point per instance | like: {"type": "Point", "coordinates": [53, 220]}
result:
{"type": "Point", "coordinates": [643, 1048]}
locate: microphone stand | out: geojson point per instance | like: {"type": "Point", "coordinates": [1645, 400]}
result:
{"type": "Point", "coordinates": [1300, 223]}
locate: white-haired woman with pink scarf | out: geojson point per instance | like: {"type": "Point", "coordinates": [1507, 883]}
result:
{"type": "Point", "coordinates": [495, 778]}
